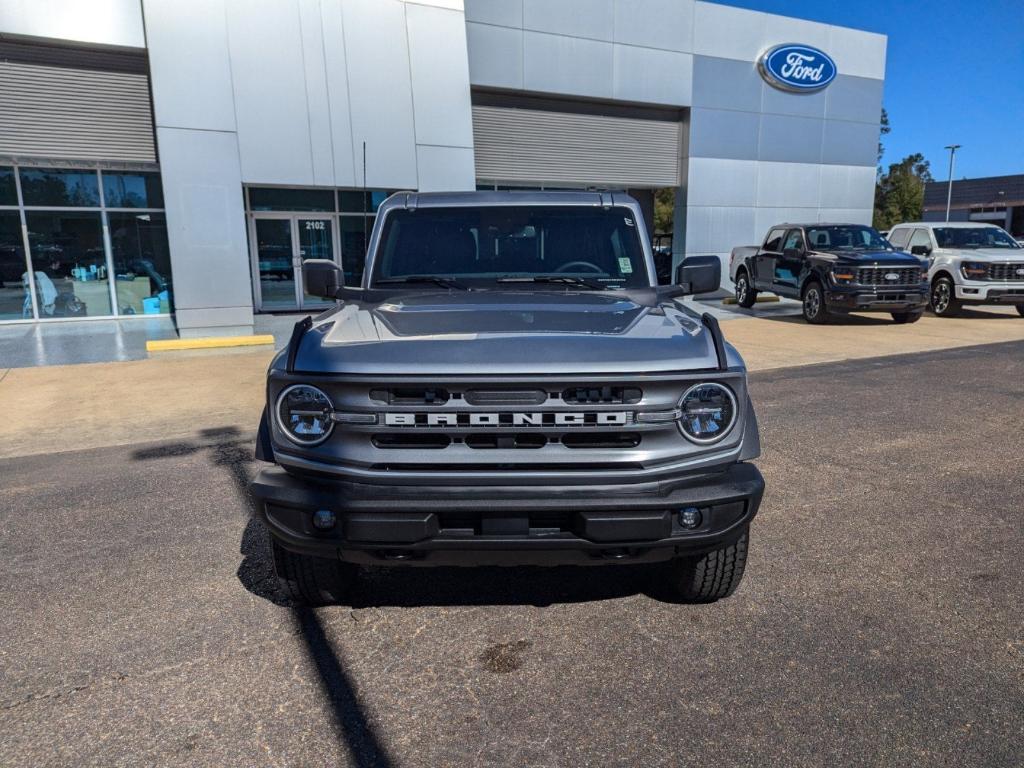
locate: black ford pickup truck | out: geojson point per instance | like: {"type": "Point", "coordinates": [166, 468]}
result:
{"type": "Point", "coordinates": [508, 385]}
{"type": "Point", "coordinates": [832, 269]}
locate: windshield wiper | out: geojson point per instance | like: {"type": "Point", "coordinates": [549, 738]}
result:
{"type": "Point", "coordinates": [566, 279]}
{"type": "Point", "coordinates": [444, 282]}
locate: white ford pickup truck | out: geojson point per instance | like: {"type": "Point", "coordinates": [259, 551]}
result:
{"type": "Point", "coordinates": [970, 263]}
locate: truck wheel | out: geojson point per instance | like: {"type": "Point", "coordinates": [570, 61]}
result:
{"type": "Point", "coordinates": [944, 300]}
{"type": "Point", "coordinates": [308, 580]}
{"type": "Point", "coordinates": [746, 296]}
{"type": "Point", "coordinates": [815, 311]}
{"type": "Point", "coordinates": [712, 575]}
{"type": "Point", "coordinates": [901, 318]}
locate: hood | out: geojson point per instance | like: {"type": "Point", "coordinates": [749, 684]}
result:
{"type": "Point", "coordinates": [1012, 255]}
{"type": "Point", "coordinates": [508, 332]}
{"type": "Point", "coordinates": [873, 258]}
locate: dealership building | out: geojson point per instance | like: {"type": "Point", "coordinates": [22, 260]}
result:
{"type": "Point", "coordinates": [183, 156]}
{"type": "Point", "coordinates": [995, 200]}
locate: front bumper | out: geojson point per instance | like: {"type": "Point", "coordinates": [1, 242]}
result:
{"type": "Point", "coordinates": [391, 525]}
{"type": "Point", "coordinates": [912, 298]}
{"type": "Point", "coordinates": [977, 292]}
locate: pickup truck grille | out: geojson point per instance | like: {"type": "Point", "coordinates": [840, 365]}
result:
{"type": "Point", "coordinates": [1006, 273]}
{"type": "Point", "coordinates": [881, 276]}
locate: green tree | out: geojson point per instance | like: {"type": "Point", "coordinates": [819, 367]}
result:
{"type": "Point", "coordinates": [664, 205]}
{"type": "Point", "coordinates": [899, 194]}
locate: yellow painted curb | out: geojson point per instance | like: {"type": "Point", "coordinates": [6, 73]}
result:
{"type": "Point", "coordinates": [758, 300]}
{"type": "Point", "coordinates": [209, 342]}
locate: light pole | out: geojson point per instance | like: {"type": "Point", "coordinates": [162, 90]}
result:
{"type": "Point", "coordinates": [949, 194]}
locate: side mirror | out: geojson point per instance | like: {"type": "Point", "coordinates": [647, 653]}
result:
{"type": "Point", "coordinates": [920, 250]}
{"type": "Point", "coordinates": [322, 278]}
{"type": "Point", "coordinates": [699, 274]}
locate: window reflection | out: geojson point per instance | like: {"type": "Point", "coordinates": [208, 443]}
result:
{"type": "Point", "coordinates": [8, 192]}
{"type": "Point", "coordinates": [132, 190]}
{"type": "Point", "coordinates": [69, 262]}
{"type": "Point", "coordinates": [280, 199]}
{"type": "Point", "coordinates": [354, 233]}
{"type": "Point", "coordinates": [59, 187]}
{"type": "Point", "coordinates": [142, 263]}
{"type": "Point", "coordinates": [15, 303]}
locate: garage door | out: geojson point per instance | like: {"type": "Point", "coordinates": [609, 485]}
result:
{"type": "Point", "coordinates": [57, 102]}
{"type": "Point", "coordinates": [552, 147]}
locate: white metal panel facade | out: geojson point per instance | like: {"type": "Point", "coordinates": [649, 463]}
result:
{"type": "Point", "coordinates": [534, 146]}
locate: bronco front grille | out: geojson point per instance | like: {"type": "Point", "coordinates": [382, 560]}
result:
{"type": "Point", "coordinates": [883, 276]}
{"type": "Point", "coordinates": [523, 423]}
{"type": "Point", "coordinates": [1006, 273]}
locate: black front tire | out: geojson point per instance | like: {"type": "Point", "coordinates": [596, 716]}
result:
{"type": "Point", "coordinates": [814, 308]}
{"type": "Point", "coordinates": [943, 298]}
{"type": "Point", "coordinates": [746, 296]}
{"type": "Point", "coordinates": [902, 318]}
{"type": "Point", "coordinates": [711, 575]}
{"type": "Point", "coordinates": [308, 580]}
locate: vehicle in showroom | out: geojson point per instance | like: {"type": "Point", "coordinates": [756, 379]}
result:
{"type": "Point", "coordinates": [508, 385]}
{"type": "Point", "coordinates": [831, 269]}
{"type": "Point", "coordinates": [969, 263]}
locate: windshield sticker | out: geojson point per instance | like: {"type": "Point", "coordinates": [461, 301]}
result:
{"type": "Point", "coordinates": [625, 265]}
{"type": "Point", "coordinates": [629, 221]}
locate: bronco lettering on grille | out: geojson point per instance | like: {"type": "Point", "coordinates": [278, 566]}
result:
{"type": "Point", "coordinates": [508, 419]}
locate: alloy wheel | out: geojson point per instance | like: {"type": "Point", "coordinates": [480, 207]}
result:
{"type": "Point", "coordinates": [812, 303]}
{"type": "Point", "coordinates": [940, 297]}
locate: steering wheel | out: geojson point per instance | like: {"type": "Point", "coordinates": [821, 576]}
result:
{"type": "Point", "coordinates": [589, 267]}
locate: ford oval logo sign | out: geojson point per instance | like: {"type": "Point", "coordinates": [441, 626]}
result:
{"type": "Point", "coordinates": [797, 68]}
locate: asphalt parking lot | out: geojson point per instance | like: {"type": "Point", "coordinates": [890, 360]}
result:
{"type": "Point", "coordinates": [879, 622]}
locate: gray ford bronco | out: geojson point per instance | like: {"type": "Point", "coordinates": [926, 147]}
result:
{"type": "Point", "coordinates": [508, 386]}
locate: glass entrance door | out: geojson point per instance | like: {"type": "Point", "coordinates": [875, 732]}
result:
{"type": "Point", "coordinates": [315, 238]}
{"type": "Point", "coordinates": [280, 243]}
{"type": "Point", "coordinates": [272, 241]}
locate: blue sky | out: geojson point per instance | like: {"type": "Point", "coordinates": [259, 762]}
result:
{"type": "Point", "coordinates": [954, 75]}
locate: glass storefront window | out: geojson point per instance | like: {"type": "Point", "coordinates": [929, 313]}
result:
{"type": "Point", "coordinates": [354, 233]}
{"type": "Point", "coordinates": [132, 190]}
{"type": "Point", "coordinates": [59, 187]}
{"type": "Point", "coordinates": [273, 199]}
{"type": "Point", "coordinates": [70, 264]}
{"type": "Point", "coordinates": [8, 192]}
{"type": "Point", "coordinates": [15, 303]}
{"type": "Point", "coordinates": [351, 201]}
{"type": "Point", "coordinates": [142, 262]}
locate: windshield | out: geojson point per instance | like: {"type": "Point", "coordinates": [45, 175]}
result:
{"type": "Point", "coordinates": [487, 246]}
{"type": "Point", "coordinates": [846, 238]}
{"type": "Point", "coordinates": [973, 237]}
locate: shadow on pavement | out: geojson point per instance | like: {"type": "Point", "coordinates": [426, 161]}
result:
{"type": "Point", "coordinates": [880, 318]}
{"type": "Point", "coordinates": [235, 454]}
{"type": "Point", "coordinates": [360, 737]}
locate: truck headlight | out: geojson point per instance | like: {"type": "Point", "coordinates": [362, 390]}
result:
{"type": "Point", "coordinates": [304, 414]}
{"type": "Point", "coordinates": [974, 270]}
{"type": "Point", "coordinates": [844, 274]}
{"type": "Point", "coordinates": [707, 412]}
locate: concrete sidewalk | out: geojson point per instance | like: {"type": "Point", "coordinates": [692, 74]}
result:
{"type": "Point", "coordinates": [176, 394]}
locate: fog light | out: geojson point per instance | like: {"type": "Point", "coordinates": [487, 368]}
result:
{"type": "Point", "coordinates": [690, 517]}
{"type": "Point", "coordinates": [324, 519]}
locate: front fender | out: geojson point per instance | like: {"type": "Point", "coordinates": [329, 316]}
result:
{"type": "Point", "coordinates": [264, 449]}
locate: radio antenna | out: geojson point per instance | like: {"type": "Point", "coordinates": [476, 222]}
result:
{"type": "Point", "coordinates": [365, 211]}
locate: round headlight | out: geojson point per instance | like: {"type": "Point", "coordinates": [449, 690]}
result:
{"type": "Point", "coordinates": [708, 412]}
{"type": "Point", "coordinates": [304, 414]}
